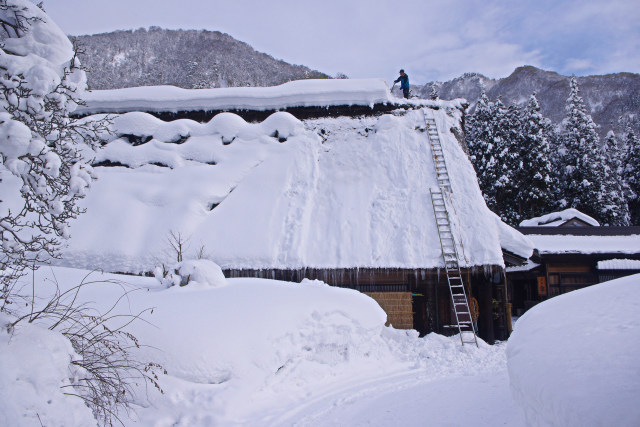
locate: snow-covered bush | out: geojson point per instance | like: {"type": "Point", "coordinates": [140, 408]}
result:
{"type": "Point", "coordinates": [32, 387]}
{"type": "Point", "coordinates": [100, 359]}
{"type": "Point", "coordinates": [41, 173]}
{"type": "Point", "coordinates": [195, 271]}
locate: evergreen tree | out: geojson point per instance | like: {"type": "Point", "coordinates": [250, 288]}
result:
{"type": "Point", "coordinates": [534, 171]}
{"type": "Point", "coordinates": [583, 160]}
{"type": "Point", "coordinates": [631, 174]}
{"type": "Point", "coordinates": [492, 134]}
{"type": "Point", "coordinates": [616, 210]}
{"type": "Point", "coordinates": [508, 162]}
{"type": "Point", "coordinates": [480, 133]}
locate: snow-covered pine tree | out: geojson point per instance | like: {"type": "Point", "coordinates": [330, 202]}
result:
{"type": "Point", "coordinates": [508, 145]}
{"type": "Point", "coordinates": [583, 160]}
{"type": "Point", "coordinates": [616, 210]}
{"type": "Point", "coordinates": [534, 174]}
{"type": "Point", "coordinates": [492, 134]}
{"type": "Point", "coordinates": [631, 173]}
{"type": "Point", "coordinates": [480, 133]}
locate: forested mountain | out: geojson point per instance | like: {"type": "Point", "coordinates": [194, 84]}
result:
{"type": "Point", "coordinates": [183, 58]}
{"type": "Point", "coordinates": [613, 100]}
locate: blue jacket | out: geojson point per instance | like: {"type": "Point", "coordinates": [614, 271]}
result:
{"type": "Point", "coordinates": [404, 81]}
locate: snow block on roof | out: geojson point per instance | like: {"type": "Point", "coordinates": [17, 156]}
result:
{"type": "Point", "coordinates": [298, 93]}
{"type": "Point", "coordinates": [555, 219]}
{"type": "Point", "coordinates": [619, 264]}
{"type": "Point", "coordinates": [566, 244]}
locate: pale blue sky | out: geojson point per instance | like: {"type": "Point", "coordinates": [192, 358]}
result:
{"type": "Point", "coordinates": [431, 39]}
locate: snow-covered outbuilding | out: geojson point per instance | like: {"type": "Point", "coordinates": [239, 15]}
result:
{"type": "Point", "coordinates": [343, 199]}
{"type": "Point", "coordinates": [572, 251]}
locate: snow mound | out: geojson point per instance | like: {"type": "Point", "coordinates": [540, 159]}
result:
{"type": "Point", "coordinates": [573, 360]}
{"type": "Point", "coordinates": [282, 125]}
{"type": "Point", "coordinates": [34, 365]}
{"type": "Point", "coordinates": [244, 331]}
{"type": "Point", "coordinates": [202, 272]}
{"type": "Point", "coordinates": [554, 219]}
{"type": "Point", "coordinates": [299, 93]}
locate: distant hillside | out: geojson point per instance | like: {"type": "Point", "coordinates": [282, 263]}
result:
{"type": "Point", "coordinates": [614, 99]}
{"type": "Point", "coordinates": [183, 58]}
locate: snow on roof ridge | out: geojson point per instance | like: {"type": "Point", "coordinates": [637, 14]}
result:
{"type": "Point", "coordinates": [297, 93]}
{"type": "Point", "coordinates": [556, 218]}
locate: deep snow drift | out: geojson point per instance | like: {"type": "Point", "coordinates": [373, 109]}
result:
{"type": "Point", "coordinates": [573, 360]}
{"type": "Point", "coordinates": [242, 352]}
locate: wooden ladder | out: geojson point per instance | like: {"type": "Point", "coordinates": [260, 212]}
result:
{"type": "Point", "coordinates": [459, 302]}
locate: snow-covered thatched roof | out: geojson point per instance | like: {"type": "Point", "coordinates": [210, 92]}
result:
{"type": "Point", "coordinates": [284, 194]}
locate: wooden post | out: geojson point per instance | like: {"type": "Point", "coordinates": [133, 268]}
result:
{"type": "Point", "coordinates": [507, 305]}
{"type": "Point", "coordinates": [485, 302]}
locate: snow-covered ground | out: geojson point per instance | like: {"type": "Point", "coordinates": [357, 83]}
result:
{"type": "Point", "coordinates": [261, 352]}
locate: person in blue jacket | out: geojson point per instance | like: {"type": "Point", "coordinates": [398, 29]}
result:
{"type": "Point", "coordinates": [404, 83]}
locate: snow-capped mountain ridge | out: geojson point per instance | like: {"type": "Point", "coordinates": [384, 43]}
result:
{"type": "Point", "coordinates": [613, 99]}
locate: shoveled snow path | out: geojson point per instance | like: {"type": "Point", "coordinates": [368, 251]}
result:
{"type": "Point", "coordinates": [411, 399]}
